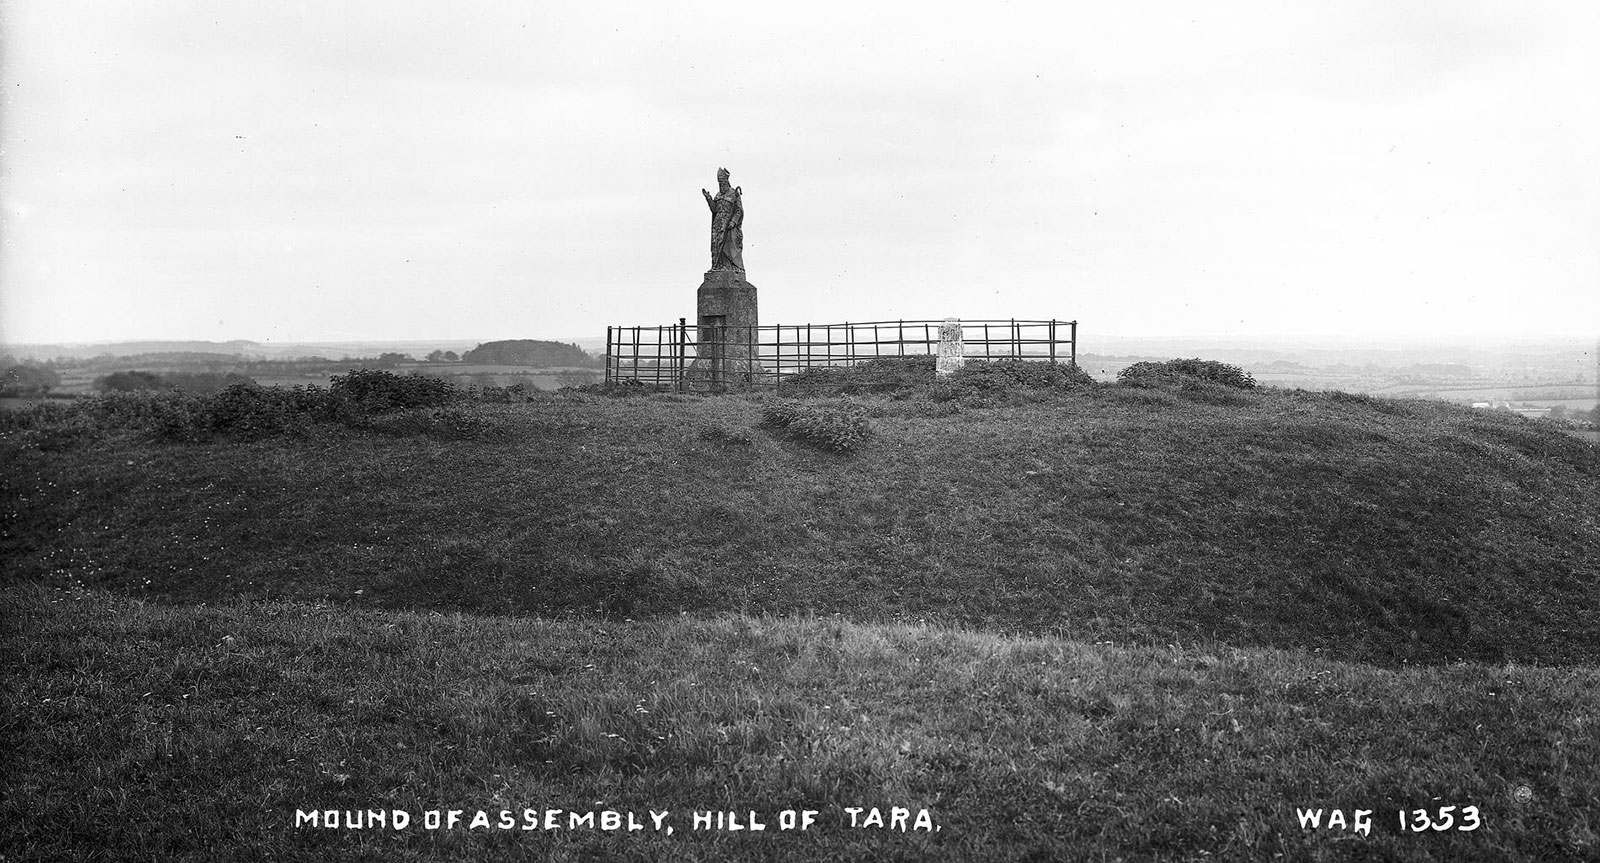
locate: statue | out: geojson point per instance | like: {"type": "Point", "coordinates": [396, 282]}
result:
{"type": "Point", "coordinates": [727, 221]}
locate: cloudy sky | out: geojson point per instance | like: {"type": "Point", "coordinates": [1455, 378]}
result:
{"type": "Point", "coordinates": [373, 169]}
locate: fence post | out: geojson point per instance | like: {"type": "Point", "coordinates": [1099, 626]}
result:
{"type": "Point", "coordinates": [1052, 340]}
{"type": "Point", "coordinates": [608, 356]}
{"type": "Point", "coordinates": [683, 349]}
{"type": "Point", "coordinates": [1074, 342]}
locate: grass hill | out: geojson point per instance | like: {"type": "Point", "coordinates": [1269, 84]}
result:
{"type": "Point", "coordinates": [1368, 529]}
{"type": "Point", "coordinates": [528, 352]}
{"type": "Point", "coordinates": [1105, 620]}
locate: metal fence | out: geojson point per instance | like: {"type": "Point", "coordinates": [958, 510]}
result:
{"type": "Point", "coordinates": [681, 357]}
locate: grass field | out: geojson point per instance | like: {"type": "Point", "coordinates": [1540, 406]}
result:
{"type": "Point", "coordinates": [1097, 624]}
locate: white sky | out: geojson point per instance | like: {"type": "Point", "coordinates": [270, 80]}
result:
{"type": "Point", "coordinates": [298, 171]}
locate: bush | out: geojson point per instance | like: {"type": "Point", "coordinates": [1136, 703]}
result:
{"type": "Point", "coordinates": [26, 380]}
{"type": "Point", "coordinates": [880, 375]}
{"type": "Point", "coordinates": [367, 391]}
{"type": "Point", "coordinates": [1181, 372]}
{"type": "Point", "coordinates": [172, 415]}
{"type": "Point", "coordinates": [1015, 374]}
{"type": "Point", "coordinates": [905, 375]}
{"type": "Point", "coordinates": [985, 382]}
{"type": "Point", "coordinates": [362, 399]}
{"type": "Point", "coordinates": [840, 429]}
{"type": "Point", "coordinates": [131, 381]}
{"type": "Point", "coordinates": [251, 410]}
{"type": "Point", "coordinates": [37, 416]}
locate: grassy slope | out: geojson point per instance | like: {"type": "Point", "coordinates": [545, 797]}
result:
{"type": "Point", "coordinates": [1338, 528]}
{"type": "Point", "coordinates": [145, 731]}
{"type": "Point", "coordinates": [1373, 530]}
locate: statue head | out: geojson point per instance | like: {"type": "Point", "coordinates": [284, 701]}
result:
{"type": "Point", "coordinates": [722, 179]}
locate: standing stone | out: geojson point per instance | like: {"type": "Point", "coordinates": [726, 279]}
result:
{"type": "Point", "coordinates": [725, 353]}
{"type": "Point", "coordinates": [951, 348]}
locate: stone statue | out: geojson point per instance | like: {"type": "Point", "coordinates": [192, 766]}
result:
{"type": "Point", "coordinates": [727, 224]}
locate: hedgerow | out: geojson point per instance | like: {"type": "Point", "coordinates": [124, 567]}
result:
{"type": "Point", "coordinates": [248, 410]}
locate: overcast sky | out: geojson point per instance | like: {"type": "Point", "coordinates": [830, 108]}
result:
{"type": "Point", "coordinates": [284, 171]}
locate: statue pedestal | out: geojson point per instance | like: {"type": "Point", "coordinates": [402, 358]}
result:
{"type": "Point", "coordinates": [727, 349]}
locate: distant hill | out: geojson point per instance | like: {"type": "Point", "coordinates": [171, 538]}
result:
{"type": "Point", "coordinates": [86, 350]}
{"type": "Point", "coordinates": [528, 352]}
{"type": "Point", "coordinates": [244, 348]}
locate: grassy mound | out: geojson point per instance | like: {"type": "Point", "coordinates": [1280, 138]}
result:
{"type": "Point", "coordinates": [978, 382]}
{"type": "Point", "coordinates": [138, 731]}
{"type": "Point", "coordinates": [1365, 529]}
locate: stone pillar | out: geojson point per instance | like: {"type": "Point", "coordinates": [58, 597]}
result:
{"type": "Point", "coordinates": [726, 321]}
{"type": "Point", "coordinates": [950, 347]}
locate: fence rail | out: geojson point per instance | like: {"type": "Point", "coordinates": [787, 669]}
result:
{"type": "Point", "coordinates": [682, 357]}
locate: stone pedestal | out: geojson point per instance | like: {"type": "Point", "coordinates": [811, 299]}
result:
{"type": "Point", "coordinates": [725, 354]}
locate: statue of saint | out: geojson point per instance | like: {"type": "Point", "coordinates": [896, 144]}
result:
{"type": "Point", "coordinates": [727, 221]}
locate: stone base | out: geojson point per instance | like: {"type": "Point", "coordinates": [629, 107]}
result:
{"type": "Point", "coordinates": [737, 375]}
{"type": "Point", "coordinates": [726, 324]}
{"type": "Point", "coordinates": [725, 293]}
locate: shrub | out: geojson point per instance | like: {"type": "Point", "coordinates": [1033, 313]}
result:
{"type": "Point", "coordinates": [981, 382]}
{"type": "Point", "coordinates": [247, 410]}
{"type": "Point", "coordinates": [130, 381]}
{"type": "Point", "coordinates": [26, 380]}
{"type": "Point", "coordinates": [171, 415]}
{"type": "Point", "coordinates": [781, 414]}
{"type": "Point", "coordinates": [36, 416]}
{"type": "Point", "coordinates": [839, 429]}
{"type": "Point", "coordinates": [1013, 374]}
{"type": "Point", "coordinates": [880, 375]}
{"type": "Point", "coordinates": [252, 410]}
{"type": "Point", "coordinates": [366, 391]}
{"type": "Point", "coordinates": [1180, 372]}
